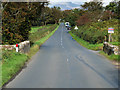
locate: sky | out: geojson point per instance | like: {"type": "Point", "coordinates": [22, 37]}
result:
{"type": "Point", "coordinates": [76, 0]}
{"type": "Point", "coordinates": [106, 2]}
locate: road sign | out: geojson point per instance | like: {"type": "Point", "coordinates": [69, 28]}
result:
{"type": "Point", "coordinates": [110, 30]}
{"type": "Point", "coordinates": [76, 28]}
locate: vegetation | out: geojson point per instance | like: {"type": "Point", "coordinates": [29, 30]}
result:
{"type": "Point", "coordinates": [19, 17]}
{"type": "Point", "coordinates": [87, 44]}
{"type": "Point", "coordinates": [36, 28]}
{"type": "Point", "coordinates": [71, 16]}
{"type": "Point", "coordinates": [111, 57]}
{"type": "Point", "coordinates": [94, 20]}
{"type": "Point", "coordinates": [40, 33]}
{"type": "Point", "coordinates": [38, 42]}
{"type": "Point", "coordinates": [115, 43]}
{"type": "Point", "coordinates": [97, 32]}
{"type": "Point", "coordinates": [49, 16]}
{"type": "Point", "coordinates": [11, 64]}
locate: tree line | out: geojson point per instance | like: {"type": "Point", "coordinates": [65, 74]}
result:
{"type": "Point", "coordinates": [93, 11]}
{"type": "Point", "coordinates": [94, 19]}
{"type": "Point", "coordinates": [19, 17]}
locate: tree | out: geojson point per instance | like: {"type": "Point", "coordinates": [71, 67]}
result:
{"type": "Point", "coordinates": [72, 15]}
{"type": "Point", "coordinates": [47, 16]}
{"type": "Point", "coordinates": [50, 15]}
{"type": "Point", "coordinates": [84, 19]}
{"type": "Point", "coordinates": [93, 12]}
{"type": "Point", "coordinates": [92, 5]}
{"type": "Point", "coordinates": [17, 20]}
{"type": "Point", "coordinates": [57, 14]}
{"type": "Point", "coordinates": [113, 7]}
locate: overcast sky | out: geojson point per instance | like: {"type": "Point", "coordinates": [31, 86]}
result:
{"type": "Point", "coordinates": [76, 0]}
{"type": "Point", "coordinates": [53, 1]}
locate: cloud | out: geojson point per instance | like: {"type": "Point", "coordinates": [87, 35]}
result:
{"type": "Point", "coordinates": [105, 2]}
{"type": "Point", "coordinates": [77, 0]}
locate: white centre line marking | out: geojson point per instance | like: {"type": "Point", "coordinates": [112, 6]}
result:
{"type": "Point", "coordinates": [61, 38]}
{"type": "Point", "coordinates": [67, 59]}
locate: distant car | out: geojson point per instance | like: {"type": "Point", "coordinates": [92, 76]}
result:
{"type": "Point", "coordinates": [68, 27]}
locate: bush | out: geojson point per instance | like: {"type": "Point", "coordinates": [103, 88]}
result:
{"type": "Point", "coordinates": [96, 32]}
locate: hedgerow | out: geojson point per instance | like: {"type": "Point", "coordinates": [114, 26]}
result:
{"type": "Point", "coordinates": [97, 31]}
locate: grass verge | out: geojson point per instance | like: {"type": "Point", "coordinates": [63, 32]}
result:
{"type": "Point", "coordinates": [111, 57]}
{"type": "Point", "coordinates": [86, 44]}
{"type": "Point", "coordinates": [35, 47]}
{"type": "Point", "coordinates": [36, 28]}
{"type": "Point", "coordinates": [13, 62]}
{"type": "Point", "coordinates": [115, 43]}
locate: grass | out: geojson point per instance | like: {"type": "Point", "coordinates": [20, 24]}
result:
{"type": "Point", "coordinates": [87, 44]}
{"type": "Point", "coordinates": [12, 62]}
{"type": "Point", "coordinates": [115, 43]}
{"type": "Point", "coordinates": [111, 57]}
{"type": "Point", "coordinates": [33, 37]}
{"type": "Point", "coordinates": [38, 43]}
{"type": "Point", "coordinates": [36, 28]}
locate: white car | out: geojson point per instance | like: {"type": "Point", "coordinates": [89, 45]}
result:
{"type": "Point", "coordinates": [66, 24]}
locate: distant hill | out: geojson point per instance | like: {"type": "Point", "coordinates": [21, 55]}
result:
{"type": "Point", "coordinates": [66, 5]}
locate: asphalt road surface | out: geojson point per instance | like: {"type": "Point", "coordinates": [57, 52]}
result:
{"type": "Point", "coordinates": [62, 63]}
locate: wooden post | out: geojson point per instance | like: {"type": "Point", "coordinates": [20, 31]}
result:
{"type": "Point", "coordinates": [109, 37]}
{"type": "Point", "coordinates": [105, 38]}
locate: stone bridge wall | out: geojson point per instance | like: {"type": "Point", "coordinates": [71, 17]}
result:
{"type": "Point", "coordinates": [110, 49]}
{"type": "Point", "coordinates": [24, 47]}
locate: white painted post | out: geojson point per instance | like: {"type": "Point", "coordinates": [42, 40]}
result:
{"type": "Point", "coordinates": [16, 47]}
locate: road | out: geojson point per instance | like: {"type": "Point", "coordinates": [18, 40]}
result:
{"type": "Point", "coordinates": [62, 63]}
